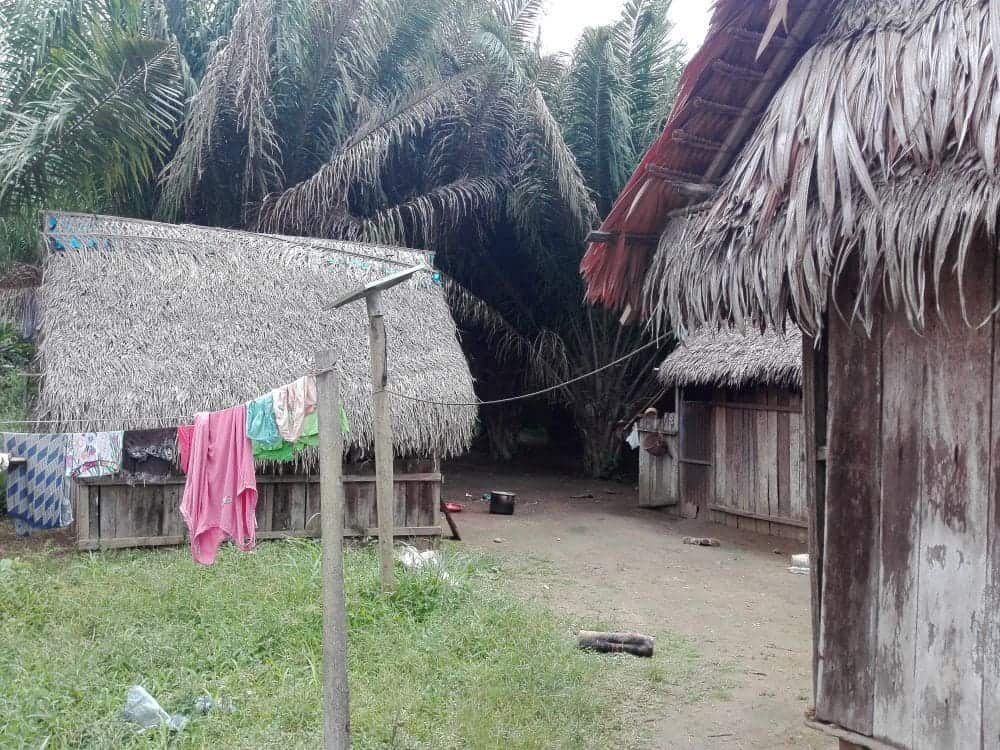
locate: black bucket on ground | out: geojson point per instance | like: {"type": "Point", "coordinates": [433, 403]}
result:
{"type": "Point", "coordinates": [502, 503]}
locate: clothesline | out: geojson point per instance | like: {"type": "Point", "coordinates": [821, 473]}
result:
{"type": "Point", "coordinates": [184, 419]}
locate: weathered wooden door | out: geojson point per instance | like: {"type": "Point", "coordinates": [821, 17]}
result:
{"type": "Point", "coordinates": [658, 461]}
{"type": "Point", "coordinates": [697, 483]}
{"type": "Point", "coordinates": [757, 448]}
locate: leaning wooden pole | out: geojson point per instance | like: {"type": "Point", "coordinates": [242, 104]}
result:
{"type": "Point", "coordinates": [336, 703]}
{"type": "Point", "coordinates": [383, 438]}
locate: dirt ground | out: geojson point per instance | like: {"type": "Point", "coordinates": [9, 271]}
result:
{"type": "Point", "coordinates": [604, 560]}
{"type": "Point", "coordinates": [618, 564]}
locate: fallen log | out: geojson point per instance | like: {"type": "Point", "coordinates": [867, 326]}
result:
{"type": "Point", "coordinates": [636, 644]}
{"type": "Point", "coordinates": [701, 541]}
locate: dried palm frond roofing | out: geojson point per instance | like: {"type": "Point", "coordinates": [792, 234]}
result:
{"type": "Point", "coordinates": [751, 45]}
{"type": "Point", "coordinates": [880, 153]}
{"type": "Point", "coordinates": [729, 359]}
{"type": "Point", "coordinates": [144, 322]}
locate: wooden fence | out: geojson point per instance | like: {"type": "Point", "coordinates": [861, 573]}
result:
{"type": "Point", "coordinates": [112, 514]}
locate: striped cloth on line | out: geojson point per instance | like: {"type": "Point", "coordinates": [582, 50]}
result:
{"type": "Point", "coordinates": [38, 492]}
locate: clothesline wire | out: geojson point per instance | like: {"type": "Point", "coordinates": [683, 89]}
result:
{"type": "Point", "coordinates": [533, 394]}
{"type": "Point", "coordinates": [184, 419]}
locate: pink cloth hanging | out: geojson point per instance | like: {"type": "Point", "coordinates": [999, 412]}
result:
{"type": "Point", "coordinates": [185, 433]}
{"type": "Point", "coordinates": [220, 497]}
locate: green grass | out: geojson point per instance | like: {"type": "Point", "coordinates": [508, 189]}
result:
{"type": "Point", "coordinates": [435, 666]}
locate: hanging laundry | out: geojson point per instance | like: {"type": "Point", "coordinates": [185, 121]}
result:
{"type": "Point", "coordinates": [93, 454]}
{"type": "Point", "coordinates": [220, 497]}
{"type": "Point", "coordinates": [292, 404]}
{"type": "Point", "coordinates": [149, 455]}
{"type": "Point", "coordinates": [262, 429]}
{"type": "Point", "coordinates": [4, 461]}
{"type": "Point", "coordinates": [285, 451]}
{"type": "Point", "coordinates": [38, 493]}
{"type": "Point", "coordinates": [184, 435]}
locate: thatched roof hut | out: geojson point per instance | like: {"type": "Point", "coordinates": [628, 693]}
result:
{"type": "Point", "coordinates": [857, 192]}
{"type": "Point", "coordinates": [142, 324]}
{"type": "Point", "coordinates": [729, 359]}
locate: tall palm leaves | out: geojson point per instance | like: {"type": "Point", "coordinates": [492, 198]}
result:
{"type": "Point", "coordinates": [388, 119]}
{"type": "Point", "coordinates": [92, 94]}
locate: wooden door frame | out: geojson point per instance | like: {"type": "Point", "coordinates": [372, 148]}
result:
{"type": "Point", "coordinates": [814, 413]}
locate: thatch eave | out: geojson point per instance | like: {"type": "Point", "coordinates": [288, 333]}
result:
{"type": "Point", "coordinates": [730, 359]}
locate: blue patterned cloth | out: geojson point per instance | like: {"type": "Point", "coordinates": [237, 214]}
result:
{"type": "Point", "coordinates": [38, 493]}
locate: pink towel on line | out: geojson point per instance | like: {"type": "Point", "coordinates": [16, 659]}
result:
{"type": "Point", "coordinates": [185, 433]}
{"type": "Point", "coordinates": [220, 497]}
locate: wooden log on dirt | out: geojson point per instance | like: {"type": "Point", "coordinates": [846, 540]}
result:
{"type": "Point", "coordinates": [636, 644]}
{"type": "Point", "coordinates": [701, 541]}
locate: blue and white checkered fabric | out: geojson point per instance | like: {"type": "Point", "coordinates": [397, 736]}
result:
{"type": "Point", "coordinates": [38, 492]}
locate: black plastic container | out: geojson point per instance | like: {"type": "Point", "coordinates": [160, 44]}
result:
{"type": "Point", "coordinates": [502, 503]}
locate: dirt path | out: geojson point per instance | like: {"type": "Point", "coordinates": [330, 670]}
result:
{"type": "Point", "coordinates": [737, 604]}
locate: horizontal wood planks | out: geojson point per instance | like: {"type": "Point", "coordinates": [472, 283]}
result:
{"type": "Point", "coordinates": [118, 515]}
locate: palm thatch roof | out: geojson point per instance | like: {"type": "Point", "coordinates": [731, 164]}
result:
{"type": "Point", "coordinates": [729, 359]}
{"type": "Point", "coordinates": [143, 324]}
{"type": "Point", "coordinates": [879, 155]}
{"type": "Point", "coordinates": [751, 46]}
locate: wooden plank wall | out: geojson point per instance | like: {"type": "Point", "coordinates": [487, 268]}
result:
{"type": "Point", "coordinates": [757, 457]}
{"type": "Point", "coordinates": [909, 645]}
{"type": "Point", "coordinates": [658, 475]}
{"type": "Point", "coordinates": [697, 482]}
{"type": "Point", "coordinates": [118, 515]}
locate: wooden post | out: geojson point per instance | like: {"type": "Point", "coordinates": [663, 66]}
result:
{"type": "Point", "coordinates": [814, 407]}
{"type": "Point", "coordinates": [383, 438]}
{"type": "Point", "coordinates": [336, 704]}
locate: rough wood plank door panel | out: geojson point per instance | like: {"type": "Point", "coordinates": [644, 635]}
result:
{"type": "Point", "coordinates": [108, 497]}
{"type": "Point", "coordinates": [313, 507]}
{"type": "Point", "coordinates": [797, 488]}
{"type": "Point", "coordinates": [265, 507]}
{"type": "Point", "coordinates": [736, 474]}
{"type": "Point", "coordinates": [95, 513]}
{"type": "Point", "coordinates": [297, 497]}
{"type": "Point", "coordinates": [955, 486]}
{"type": "Point", "coordinates": [848, 619]}
{"type": "Point", "coordinates": [145, 510]}
{"type": "Point", "coordinates": [784, 456]}
{"type": "Point", "coordinates": [768, 423]}
{"type": "Point", "coordinates": [173, 522]}
{"type": "Point", "coordinates": [720, 434]}
{"type": "Point", "coordinates": [399, 503]}
{"type": "Point", "coordinates": [903, 381]}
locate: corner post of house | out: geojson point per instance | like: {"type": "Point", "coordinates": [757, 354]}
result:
{"type": "Point", "coordinates": [814, 406]}
{"type": "Point", "coordinates": [383, 437]}
{"type": "Point", "coordinates": [336, 702]}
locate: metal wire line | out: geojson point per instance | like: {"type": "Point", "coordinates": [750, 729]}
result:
{"type": "Point", "coordinates": [533, 394]}
{"type": "Point", "coordinates": [405, 397]}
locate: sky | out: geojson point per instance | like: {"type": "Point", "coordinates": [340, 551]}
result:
{"type": "Point", "coordinates": [565, 20]}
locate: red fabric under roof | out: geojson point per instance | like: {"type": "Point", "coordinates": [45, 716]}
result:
{"type": "Point", "coordinates": [714, 89]}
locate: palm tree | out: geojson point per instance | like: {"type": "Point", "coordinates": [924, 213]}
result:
{"type": "Point", "coordinates": [434, 123]}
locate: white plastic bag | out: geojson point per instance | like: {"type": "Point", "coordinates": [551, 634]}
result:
{"type": "Point", "coordinates": [141, 708]}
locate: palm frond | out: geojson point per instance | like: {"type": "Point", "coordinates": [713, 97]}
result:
{"type": "Point", "coordinates": [237, 82]}
{"type": "Point", "coordinates": [596, 108]}
{"type": "Point", "coordinates": [359, 161]}
{"type": "Point", "coordinates": [103, 105]}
